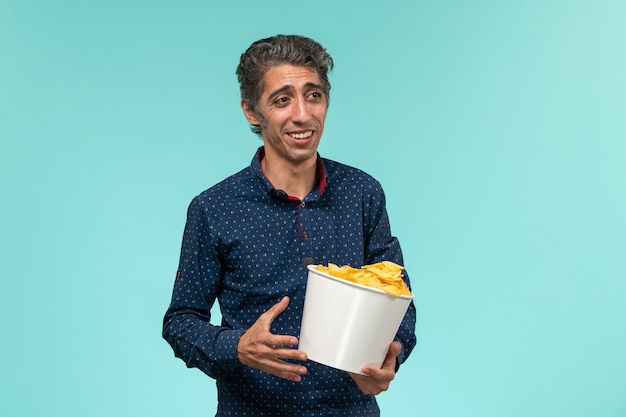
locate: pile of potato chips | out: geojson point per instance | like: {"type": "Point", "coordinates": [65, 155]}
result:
{"type": "Point", "coordinates": [385, 275]}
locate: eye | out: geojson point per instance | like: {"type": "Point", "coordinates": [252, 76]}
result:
{"type": "Point", "coordinates": [281, 101]}
{"type": "Point", "coordinates": [316, 95]}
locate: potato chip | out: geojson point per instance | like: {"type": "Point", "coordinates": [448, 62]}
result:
{"type": "Point", "coordinates": [386, 276]}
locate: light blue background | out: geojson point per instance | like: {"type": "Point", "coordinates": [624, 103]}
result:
{"type": "Point", "coordinates": [497, 129]}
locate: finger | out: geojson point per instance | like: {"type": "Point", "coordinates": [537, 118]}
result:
{"type": "Point", "coordinates": [283, 369]}
{"type": "Point", "coordinates": [292, 376]}
{"type": "Point", "coordinates": [287, 353]}
{"type": "Point", "coordinates": [277, 346]}
{"type": "Point", "coordinates": [288, 368]}
{"type": "Point", "coordinates": [275, 341]}
{"type": "Point", "coordinates": [395, 348]}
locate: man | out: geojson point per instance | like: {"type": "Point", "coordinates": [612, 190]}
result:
{"type": "Point", "coordinates": [248, 240]}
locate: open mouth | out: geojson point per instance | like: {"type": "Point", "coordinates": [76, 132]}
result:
{"type": "Point", "coordinates": [302, 135]}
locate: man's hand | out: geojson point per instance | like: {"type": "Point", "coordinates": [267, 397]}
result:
{"type": "Point", "coordinates": [377, 380]}
{"type": "Point", "coordinates": [265, 351]}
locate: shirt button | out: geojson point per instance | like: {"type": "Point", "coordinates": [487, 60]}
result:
{"type": "Point", "coordinates": [305, 234]}
{"type": "Point", "coordinates": [302, 204]}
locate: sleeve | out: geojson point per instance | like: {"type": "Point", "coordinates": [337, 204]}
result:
{"type": "Point", "coordinates": [381, 245]}
{"type": "Point", "coordinates": [186, 325]}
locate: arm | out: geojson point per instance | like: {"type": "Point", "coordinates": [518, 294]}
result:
{"type": "Point", "coordinates": [186, 326]}
{"type": "Point", "coordinates": [381, 245]}
{"type": "Point", "coordinates": [217, 350]}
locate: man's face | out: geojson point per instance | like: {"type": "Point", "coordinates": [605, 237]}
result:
{"type": "Point", "coordinates": [293, 108]}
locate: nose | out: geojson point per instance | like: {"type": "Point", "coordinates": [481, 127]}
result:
{"type": "Point", "coordinates": [301, 111]}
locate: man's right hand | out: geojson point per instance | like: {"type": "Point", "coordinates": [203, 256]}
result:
{"type": "Point", "coordinates": [260, 349]}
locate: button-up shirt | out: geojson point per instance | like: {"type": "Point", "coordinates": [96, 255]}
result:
{"type": "Point", "coordinates": [245, 245]}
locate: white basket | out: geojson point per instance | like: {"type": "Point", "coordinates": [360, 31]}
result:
{"type": "Point", "coordinates": [347, 325]}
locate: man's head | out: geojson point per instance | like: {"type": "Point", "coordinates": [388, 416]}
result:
{"type": "Point", "coordinates": [279, 50]}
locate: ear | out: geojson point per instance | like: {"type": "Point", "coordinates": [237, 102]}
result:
{"type": "Point", "coordinates": [251, 116]}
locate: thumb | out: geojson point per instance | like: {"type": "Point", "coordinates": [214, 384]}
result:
{"type": "Point", "coordinates": [274, 311]}
{"type": "Point", "coordinates": [394, 350]}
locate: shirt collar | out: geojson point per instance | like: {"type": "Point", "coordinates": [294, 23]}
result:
{"type": "Point", "coordinates": [269, 188]}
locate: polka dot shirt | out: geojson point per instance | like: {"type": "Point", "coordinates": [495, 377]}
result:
{"type": "Point", "coordinates": [246, 245]}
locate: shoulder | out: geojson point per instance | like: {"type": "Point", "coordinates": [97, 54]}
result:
{"type": "Point", "coordinates": [341, 175]}
{"type": "Point", "coordinates": [234, 185]}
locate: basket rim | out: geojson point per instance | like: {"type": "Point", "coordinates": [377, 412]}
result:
{"type": "Point", "coordinates": [313, 268]}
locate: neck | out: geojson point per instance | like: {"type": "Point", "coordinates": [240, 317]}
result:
{"type": "Point", "coordinates": [297, 180]}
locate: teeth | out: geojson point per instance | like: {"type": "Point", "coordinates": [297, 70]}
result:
{"type": "Point", "coordinates": [301, 135]}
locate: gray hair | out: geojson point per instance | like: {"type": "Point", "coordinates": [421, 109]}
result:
{"type": "Point", "coordinates": [279, 50]}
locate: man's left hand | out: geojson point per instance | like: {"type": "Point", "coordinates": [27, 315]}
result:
{"type": "Point", "coordinates": [377, 380]}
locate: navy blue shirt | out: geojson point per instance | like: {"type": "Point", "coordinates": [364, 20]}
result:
{"type": "Point", "coordinates": [244, 245]}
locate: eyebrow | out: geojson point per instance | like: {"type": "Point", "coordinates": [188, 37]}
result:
{"type": "Point", "coordinates": [290, 87]}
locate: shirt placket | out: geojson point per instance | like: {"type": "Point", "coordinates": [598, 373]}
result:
{"type": "Point", "coordinates": [305, 241]}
